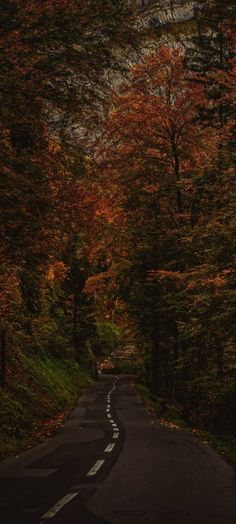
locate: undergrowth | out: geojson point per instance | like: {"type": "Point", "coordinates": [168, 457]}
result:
{"type": "Point", "coordinates": [170, 416]}
{"type": "Point", "coordinates": [40, 392]}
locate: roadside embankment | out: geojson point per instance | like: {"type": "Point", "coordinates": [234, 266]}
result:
{"type": "Point", "coordinates": [39, 394]}
{"type": "Point", "coordinates": [171, 416]}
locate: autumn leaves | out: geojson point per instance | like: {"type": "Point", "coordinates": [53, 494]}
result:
{"type": "Point", "coordinates": [141, 227]}
{"type": "Point", "coordinates": [166, 158]}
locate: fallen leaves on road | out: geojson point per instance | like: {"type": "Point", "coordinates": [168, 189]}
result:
{"type": "Point", "coordinates": [169, 424]}
{"type": "Point", "coordinates": [45, 429]}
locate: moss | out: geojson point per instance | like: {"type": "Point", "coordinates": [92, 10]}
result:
{"type": "Point", "coordinates": [40, 389]}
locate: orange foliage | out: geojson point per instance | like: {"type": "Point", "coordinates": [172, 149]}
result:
{"type": "Point", "coordinates": [56, 273]}
{"type": "Point", "coordinates": [154, 137]}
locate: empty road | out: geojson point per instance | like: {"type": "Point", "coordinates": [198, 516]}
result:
{"type": "Point", "coordinates": [114, 463]}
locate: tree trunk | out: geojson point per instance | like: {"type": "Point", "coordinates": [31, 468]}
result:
{"type": "Point", "coordinates": [155, 377]}
{"type": "Point", "coordinates": [220, 360]}
{"type": "Point", "coordinates": [75, 314]}
{"type": "Point", "coordinates": [3, 356]}
{"type": "Point", "coordinates": [177, 177]}
{"type": "Point", "coordinates": [176, 358]}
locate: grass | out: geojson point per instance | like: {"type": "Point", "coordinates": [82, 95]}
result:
{"type": "Point", "coordinates": [39, 395]}
{"type": "Point", "coordinates": [171, 417]}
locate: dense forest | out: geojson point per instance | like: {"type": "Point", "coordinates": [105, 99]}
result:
{"type": "Point", "coordinates": [117, 204]}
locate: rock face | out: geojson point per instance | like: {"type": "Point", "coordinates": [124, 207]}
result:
{"type": "Point", "coordinates": [196, 24]}
{"type": "Point", "coordinates": [168, 18]}
{"type": "Point", "coordinates": [158, 13]}
{"type": "Point", "coordinates": [166, 12]}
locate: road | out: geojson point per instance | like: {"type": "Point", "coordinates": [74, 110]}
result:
{"type": "Point", "coordinates": [114, 463]}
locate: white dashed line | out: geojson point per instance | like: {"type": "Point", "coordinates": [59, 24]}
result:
{"type": "Point", "coordinates": [58, 506]}
{"type": "Point", "coordinates": [109, 448]}
{"type": "Point", "coordinates": [95, 468]}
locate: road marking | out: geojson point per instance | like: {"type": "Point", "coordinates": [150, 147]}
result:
{"type": "Point", "coordinates": [95, 468]}
{"type": "Point", "coordinates": [109, 416]}
{"type": "Point", "coordinates": [109, 448]}
{"type": "Point", "coordinates": [59, 505]}
{"type": "Point", "coordinates": [116, 434]}
{"type": "Point", "coordinates": [115, 426]}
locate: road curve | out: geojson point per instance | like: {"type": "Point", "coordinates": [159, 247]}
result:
{"type": "Point", "coordinates": [114, 463]}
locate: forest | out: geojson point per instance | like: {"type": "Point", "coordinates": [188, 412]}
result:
{"type": "Point", "coordinates": [117, 217]}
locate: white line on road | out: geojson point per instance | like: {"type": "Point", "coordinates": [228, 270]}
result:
{"type": "Point", "coordinates": [116, 434]}
{"type": "Point", "coordinates": [95, 468]}
{"type": "Point", "coordinates": [109, 448]}
{"type": "Point", "coordinates": [58, 506]}
{"type": "Point", "coordinates": [109, 416]}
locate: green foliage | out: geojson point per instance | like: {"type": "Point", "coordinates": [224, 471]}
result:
{"type": "Point", "coordinates": [50, 337]}
{"type": "Point", "coordinates": [108, 338]}
{"type": "Point", "coordinates": [131, 368]}
{"type": "Point", "coordinates": [39, 388]}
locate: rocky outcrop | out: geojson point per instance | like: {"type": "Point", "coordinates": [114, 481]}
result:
{"type": "Point", "coordinates": [161, 13]}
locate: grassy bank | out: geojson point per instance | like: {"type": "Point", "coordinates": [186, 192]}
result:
{"type": "Point", "coordinates": [39, 394]}
{"type": "Point", "coordinates": [170, 416]}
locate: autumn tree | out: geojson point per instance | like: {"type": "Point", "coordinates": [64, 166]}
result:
{"type": "Point", "coordinates": [157, 142]}
{"type": "Point", "coordinates": [159, 155]}
{"type": "Point", "coordinates": [53, 57]}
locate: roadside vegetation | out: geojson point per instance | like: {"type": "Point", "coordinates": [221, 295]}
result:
{"type": "Point", "coordinates": [172, 416]}
{"type": "Point", "coordinates": [168, 145]}
{"type": "Point", "coordinates": [53, 57]}
{"type": "Point", "coordinates": [41, 393]}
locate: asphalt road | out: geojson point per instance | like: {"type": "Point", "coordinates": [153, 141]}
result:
{"type": "Point", "coordinates": [113, 463]}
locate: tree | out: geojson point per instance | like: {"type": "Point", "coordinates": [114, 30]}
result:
{"type": "Point", "coordinates": [159, 155]}
{"type": "Point", "coordinates": [53, 58]}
